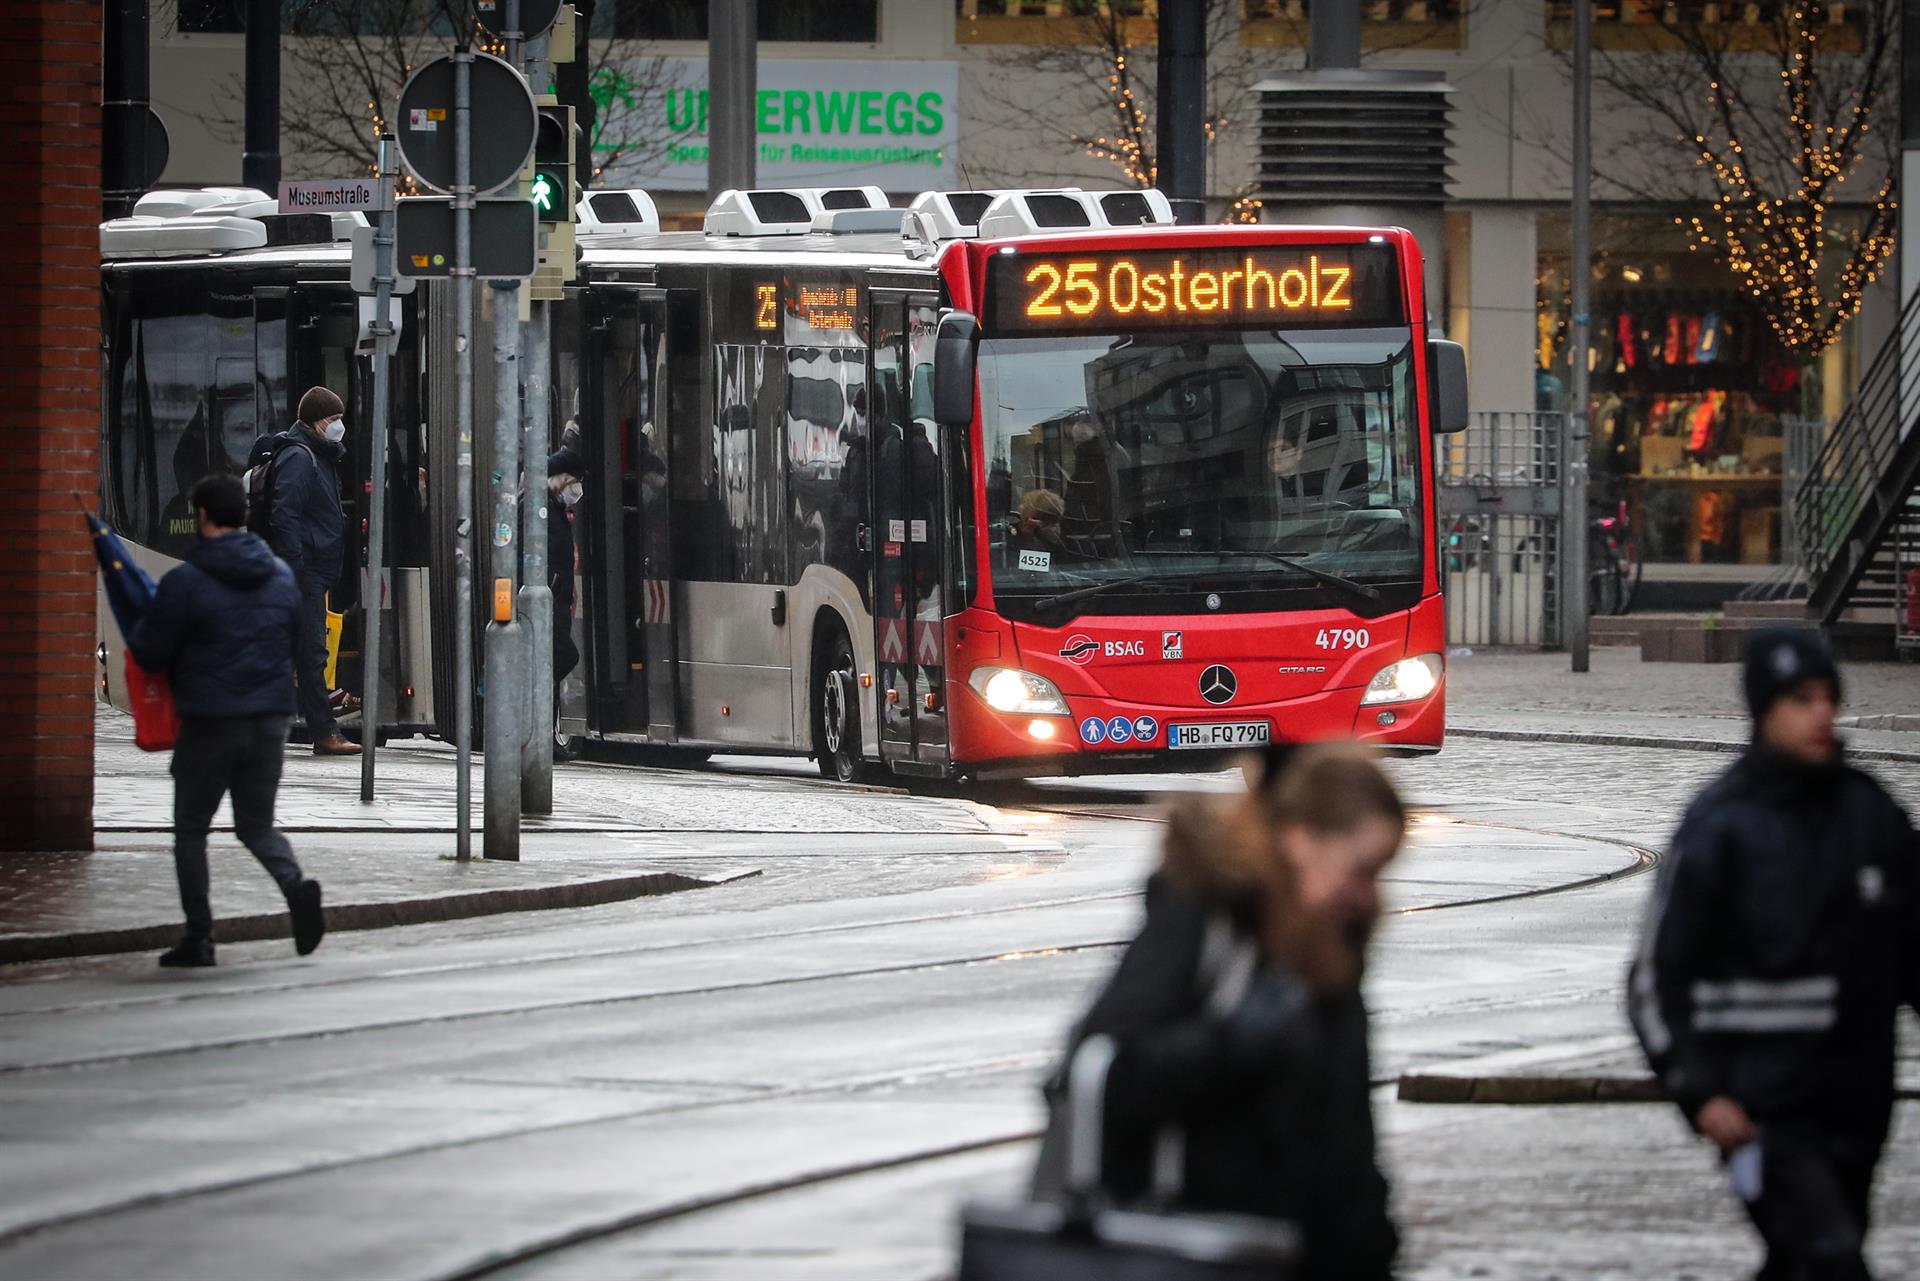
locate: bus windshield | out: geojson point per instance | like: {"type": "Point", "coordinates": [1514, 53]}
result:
{"type": "Point", "coordinates": [1267, 468]}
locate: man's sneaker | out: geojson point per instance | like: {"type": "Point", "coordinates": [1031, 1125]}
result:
{"type": "Point", "coordinates": [309, 922]}
{"type": "Point", "coordinates": [334, 745]}
{"type": "Point", "coordinates": [188, 954]}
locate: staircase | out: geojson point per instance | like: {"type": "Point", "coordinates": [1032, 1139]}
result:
{"type": "Point", "coordinates": [1857, 513]}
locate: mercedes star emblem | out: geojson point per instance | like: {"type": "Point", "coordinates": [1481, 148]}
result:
{"type": "Point", "coordinates": [1217, 684]}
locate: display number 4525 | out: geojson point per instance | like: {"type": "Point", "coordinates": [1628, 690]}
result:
{"type": "Point", "coordinates": [1344, 638]}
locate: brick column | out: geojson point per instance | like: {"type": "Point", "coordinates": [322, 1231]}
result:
{"type": "Point", "coordinates": [49, 419]}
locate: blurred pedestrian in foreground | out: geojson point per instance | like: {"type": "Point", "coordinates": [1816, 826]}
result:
{"type": "Point", "coordinates": [222, 627]}
{"type": "Point", "coordinates": [1236, 1015]}
{"type": "Point", "coordinates": [1784, 935]}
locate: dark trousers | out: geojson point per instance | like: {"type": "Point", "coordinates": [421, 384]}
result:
{"type": "Point", "coordinates": [1814, 1200]}
{"type": "Point", "coordinates": [310, 659]}
{"type": "Point", "coordinates": [566, 655]}
{"type": "Point", "coordinates": [240, 756]}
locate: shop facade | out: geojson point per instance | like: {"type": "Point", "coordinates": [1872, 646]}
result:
{"type": "Point", "coordinates": [1696, 407]}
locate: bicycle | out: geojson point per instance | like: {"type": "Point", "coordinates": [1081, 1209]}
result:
{"type": "Point", "coordinates": [1614, 577]}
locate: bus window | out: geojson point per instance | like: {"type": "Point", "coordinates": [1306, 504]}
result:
{"type": "Point", "coordinates": [161, 426]}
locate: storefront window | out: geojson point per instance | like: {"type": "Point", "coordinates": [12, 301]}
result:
{"type": "Point", "coordinates": [1124, 22]}
{"type": "Point", "coordinates": [832, 21]}
{"type": "Point", "coordinates": [1648, 25]}
{"type": "Point", "coordinates": [1691, 392]}
{"type": "Point", "coordinates": [1384, 24]}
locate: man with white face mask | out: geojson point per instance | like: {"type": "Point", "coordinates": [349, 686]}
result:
{"type": "Point", "coordinates": [307, 529]}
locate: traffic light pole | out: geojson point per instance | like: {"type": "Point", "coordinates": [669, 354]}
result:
{"type": "Point", "coordinates": [506, 640]}
{"type": "Point", "coordinates": [536, 597]}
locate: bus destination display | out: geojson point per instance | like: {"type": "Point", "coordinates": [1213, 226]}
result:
{"type": "Point", "coordinates": [1222, 286]}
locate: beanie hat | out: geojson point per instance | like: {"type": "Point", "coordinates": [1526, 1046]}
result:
{"type": "Point", "coordinates": [318, 405]}
{"type": "Point", "coordinates": [1779, 658]}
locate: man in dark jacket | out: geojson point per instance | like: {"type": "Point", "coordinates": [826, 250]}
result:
{"type": "Point", "coordinates": [222, 627]}
{"type": "Point", "coordinates": [1784, 935]}
{"type": "Point", "coordinates": [308, 532]}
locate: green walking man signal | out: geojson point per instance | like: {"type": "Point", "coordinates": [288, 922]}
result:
{"type": "Point", "coordinates": [552, 189]}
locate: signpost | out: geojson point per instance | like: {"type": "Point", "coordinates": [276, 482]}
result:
{"type": "Point", "coordinates": [373, 595]}
{"type": "Point", "coordinates": [338, 195]}
{"type": "Point", "coordinates": [466, 128]}
{"type": "Point", "coordinates": [504, 233]}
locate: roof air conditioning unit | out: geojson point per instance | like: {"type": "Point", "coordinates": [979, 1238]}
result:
{"type": "Point", "coordinates": [762, 213]}
{"type": "Point", "coordinates": [852, 222]}
{"type": "Point", "coordinates": [602, 213]}
{"type": "Point", "coordinates": [149, 237]}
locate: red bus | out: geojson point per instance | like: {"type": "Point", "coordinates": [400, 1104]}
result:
{"type": "Point", "coordinates": [1237, 423]}
{"type": "Point", "coordinates": [1011, 483]}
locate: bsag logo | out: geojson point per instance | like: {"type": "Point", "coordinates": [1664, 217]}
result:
{"type": "Point", "coordinates": [1172, 645]}
{"type": "Point", "coordinates": [1079, 650]}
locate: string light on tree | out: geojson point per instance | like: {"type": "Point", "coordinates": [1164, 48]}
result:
{"type": "Point", "coordinates": [1773, 231]}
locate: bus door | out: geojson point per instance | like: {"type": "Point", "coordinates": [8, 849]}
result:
{"type": "Point", "coordinates": [621, 524]}
{"type": "Point", "coordinates": [908, 605]}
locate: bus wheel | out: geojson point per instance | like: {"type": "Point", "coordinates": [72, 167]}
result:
{"type": "Point", "coordinates": [836, 717]}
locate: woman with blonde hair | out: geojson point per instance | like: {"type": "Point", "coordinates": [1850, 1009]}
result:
{"type": "Point", "coordinates": [1235, 1018]}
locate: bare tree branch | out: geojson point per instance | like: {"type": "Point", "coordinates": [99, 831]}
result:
{"type": "Point", "coordinates": [1767, 121]}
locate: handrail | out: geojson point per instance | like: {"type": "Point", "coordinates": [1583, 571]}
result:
{"type": "Point", "coordinates": [1845, 477]}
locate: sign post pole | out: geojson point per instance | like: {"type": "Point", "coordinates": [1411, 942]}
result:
{"type": "Point", "coordinates": [373, 597]}
{"type": "Point", "coordinates": [463, 454]}
{"type": "Point", "coordinates": [506, 649]}
{"type": "Point", "coordinates": [536, 598]}
{"type": "Point", "coordinates": [487, 148]}
{"type": "Point", "coordinates": [1573, 463]}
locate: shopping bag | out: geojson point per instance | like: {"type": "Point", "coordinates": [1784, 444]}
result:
{"type": "Point", "coordinates": [155, 723]}
{"type": "Point", "coordinates": [1080, 1238]}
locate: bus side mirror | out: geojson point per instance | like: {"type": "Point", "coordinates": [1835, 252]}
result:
{"type": "Point", "coordinates": [1447, 366]}
{"type": "Point", "coordinates": [953, 358]}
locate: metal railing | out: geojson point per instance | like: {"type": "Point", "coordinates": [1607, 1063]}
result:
{"type": "Point", "coordinates": [1851, 496]}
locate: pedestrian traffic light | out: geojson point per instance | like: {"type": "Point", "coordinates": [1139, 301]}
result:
{"type": "Point", "coordinates": [552, 189]}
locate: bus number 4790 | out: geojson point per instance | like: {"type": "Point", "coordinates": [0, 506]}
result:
{"type": "Point", "coordinates": [1343, 638]}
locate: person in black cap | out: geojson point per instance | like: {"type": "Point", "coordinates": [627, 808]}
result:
{"type": "Point", "coordinates": [1784, 935]}
{"type": "Point", "coordinates": [307, 528]}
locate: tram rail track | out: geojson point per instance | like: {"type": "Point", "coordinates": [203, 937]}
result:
{"type": "Point", "coordinates": [641, 1218]}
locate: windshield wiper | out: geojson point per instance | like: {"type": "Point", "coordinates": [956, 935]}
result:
{"type": "Point", "coordinates": [1362, 590]}
{"type": "Point", "coordinates": [1115, 584]}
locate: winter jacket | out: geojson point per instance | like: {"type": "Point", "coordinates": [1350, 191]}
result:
{"type": "Point", "coordinates": [1271, 1097]}
{"type": "Point", "coordinates": [221, 626]}
{"type": "Point", "coordinates": [308, 527]}
{"type": "Point", "coordinates": [1784, 933]}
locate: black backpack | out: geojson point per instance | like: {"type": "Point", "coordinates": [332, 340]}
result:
{"type": "Point", "coordinates": [258, 483]}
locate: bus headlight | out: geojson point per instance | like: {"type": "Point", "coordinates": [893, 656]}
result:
{"type": "Point", "coordinates": [1404, 682]}
{"type": "Point", "coordinates": [1007, 689]}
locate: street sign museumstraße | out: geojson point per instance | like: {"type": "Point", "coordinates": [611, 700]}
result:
{"type": "Point", "coordinates": [504, 245]}
{"type": "Point", "coordinates": [501, 115]}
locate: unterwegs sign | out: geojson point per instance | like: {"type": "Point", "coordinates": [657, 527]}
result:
{"type": "Point", "coordinates": [847, 122]}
